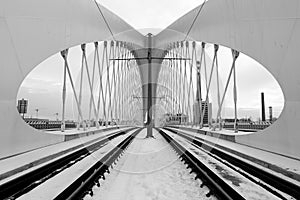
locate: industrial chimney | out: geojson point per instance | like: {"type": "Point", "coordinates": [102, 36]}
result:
{"type": "Point", "coordinates": [271, 113]}
{"type": "Point", "coordinates": [263, 114]}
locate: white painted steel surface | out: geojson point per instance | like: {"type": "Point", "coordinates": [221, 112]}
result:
{"type": "Point", "coordinates": [266, 30]}
{"type": "Point", "coordinates": [30, 32]}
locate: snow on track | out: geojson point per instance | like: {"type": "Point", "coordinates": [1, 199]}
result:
{"type": "Point", "coordinates": [247, 188]}
{"type": "Point", "coordinates": [54, 186]}
{"type": "Point", "coordinates": [149, 170]}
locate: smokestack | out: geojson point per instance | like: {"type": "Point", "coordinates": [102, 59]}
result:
{"type": "Point", "coordinates": [263, 114]}
{"type": "Point", "coordinates": [271, 113]}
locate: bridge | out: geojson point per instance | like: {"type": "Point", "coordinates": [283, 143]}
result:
{"type": "Point", "coordinates": [149, 86]}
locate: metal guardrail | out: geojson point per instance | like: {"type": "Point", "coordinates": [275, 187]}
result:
{"type": "Point", "coordinates": [247, 126]}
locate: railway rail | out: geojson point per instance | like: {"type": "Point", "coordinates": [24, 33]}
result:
{"type": "Point", "coordinates": [16, 187]}
{"type": "Point", "coordinates": [83, 185]}
{"type": "Point", "coordinates": [218, 187]}
{"type": "Point", "coordinates": [183, 144]}
{"type": "Point", "coordinates": [269, 181]}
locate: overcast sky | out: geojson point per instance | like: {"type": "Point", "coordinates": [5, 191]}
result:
{"type": "Point", "coordinates": [43, 85]}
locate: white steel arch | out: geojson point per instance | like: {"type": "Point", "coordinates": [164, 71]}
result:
{"type": "Point", "coordinates": [33, 30]}
{"type": "Point", "coordinates": [30, 32]}
{"type": "Point", "coordinates": [267, 31]}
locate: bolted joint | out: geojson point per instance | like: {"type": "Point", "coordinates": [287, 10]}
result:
{"type": "Point", "coordinates": [64, 53]}
{"type": "Point", "coordinates": [117, 43]}
{"type": "Point", "coordinates": [83, 47]}
{"type": "Point", "coordinates": [235, 53]}
{"type": "Point", "coordinates": [181, 43]}
{"type": "Point", "coordinates": [203, 45]}
{"type": "Point", "coordinates": [105, 43]}
{"type": "Point", "coordinates": [216, 47]}
{"type": "Point", "coordinates": [178, 44]}
{"type": "Point", "coordinates": [194, 44]}
{"type": "Point", "coordinates": [96, 44]}
{"type": "Point", "coordinates": [112, 43]}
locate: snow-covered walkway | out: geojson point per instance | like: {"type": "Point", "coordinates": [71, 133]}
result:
{"type": "Point", "coordinates": [149, 170]}
{"type": "Point", "coordinates": [18, 165]}
{"type": "Point", "coordinates": [286, 166]}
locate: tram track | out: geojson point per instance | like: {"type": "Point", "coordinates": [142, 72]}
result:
{"type": "Point", "coordinates": [21, 185]}
{"type": "Point", "coordinates": [218, 187]}
{"type": "Point", "coordinates": [83, 185]}
{"type": "Point", "coordinates": [269, 181]}
{"type": "Point", "coordinates": [149, 169]}
{"type": "Point", "coordinates": [182, 143]}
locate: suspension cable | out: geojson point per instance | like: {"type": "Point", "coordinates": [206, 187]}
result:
{"type": "Point", "coordinates": [195, 19]}
{"type": "Point", "coordinates": [235, 55]}
{"type": "Point", "coordinates": [103, 17]}
{"type": "Point", "coordinates": [64, 54]}
{"type": "Point", "coordinates": [198, 98]}
{"type": "Point", "coordinates": [97, 60]}
{"type": "Point", "coordinates": [89, 82]}
{"type": "Point", "coordinates": [219, 120]}
{"type": "Point", "coordinates": [190, 82]}
{"type": "Point", "coordinates": [80, 92]}
{"type": "Point", "coordinates": [208, 87]}
{"type": "Point", "coordinates": [101, 70]}
{"type": "Point", "coordinates": [193, 99]}
{"type": "Point", "coordinates": [104, 58]}
{"type": "Point", "coordinates": [118, 91]}
{"type": "Point", "coordinates": [93, 79]}
{"type": "Point", "coordinates": [113, 86]}
{"type": "Point", "coordinates": [176, 80]}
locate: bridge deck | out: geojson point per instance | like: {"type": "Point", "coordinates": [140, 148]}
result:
{"type": "Point", "coordinates": [149, 169]}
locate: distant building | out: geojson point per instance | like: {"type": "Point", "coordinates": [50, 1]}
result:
{"type": "Point", "coordinates": [47, 124]}
{"type": "Point", "coordinates": [205, 105]}
{"type": "Point", "coordinates": [22, 106]}
{"type": "Point", "coordinates": [207, 117]}
{"type": "Point", "coordinates": [176, 118]}
{"type": "Point", "coordinates": [270, 113]}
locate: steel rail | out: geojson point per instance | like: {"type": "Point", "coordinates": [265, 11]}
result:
{"type": "Point", "coordinates": [82, 185]}
{"type": "Point", "coordinates": [24, 183]}
{"type": "Point", "coordinates": [218, 187]}
{"type": "Point", "coordinates": [269, 178]}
